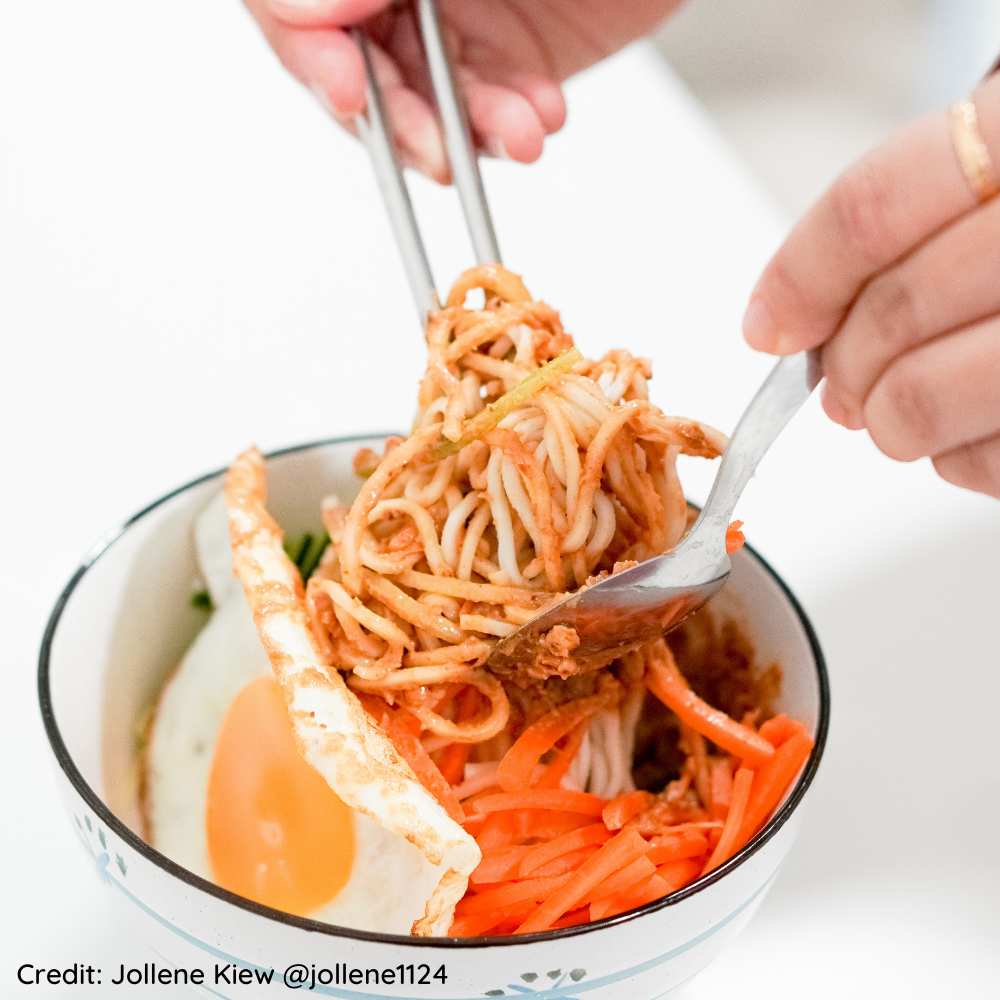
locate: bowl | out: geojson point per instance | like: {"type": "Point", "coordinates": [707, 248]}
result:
{"type": "Point", "coordinates": [125, 619]}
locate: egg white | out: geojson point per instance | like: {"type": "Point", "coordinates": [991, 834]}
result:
{"type": "Point", "coordinates": [390, 879]}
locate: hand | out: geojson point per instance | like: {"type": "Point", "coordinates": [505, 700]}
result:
{"type": "Point", "coordinates": [896, 272]}
{"type": "Point", "coordinates": [510, 56]}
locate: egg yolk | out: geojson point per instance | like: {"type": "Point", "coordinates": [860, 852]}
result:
{"type": "Point", "coordinates": [277, 833]}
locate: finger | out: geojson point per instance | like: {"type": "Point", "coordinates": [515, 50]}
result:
{"type": "Point", "coordinates": [939, 397]}
{"type": "Point", "coordinates": [974, 466]}
{"type": "Point", "coordinates": [414, 124]}
{"type": "Point", "coordinates": [545, 96]}
{"type": "Point", "coordinates": [873, 215]}
{"type": "Point", "coordinates": [505, 123]}
{"type": "Point", "coordinates": [949, 282]}
{"type": "Point", "coordinates": [324, 13]}
{"type": "Point", "coordinates": [325, 60]}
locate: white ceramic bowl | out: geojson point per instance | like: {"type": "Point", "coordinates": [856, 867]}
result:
{"type": "Point", "coordinates": [125, 619]}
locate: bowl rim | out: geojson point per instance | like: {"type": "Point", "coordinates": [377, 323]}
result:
{"type": "Point", "coordinates": [161, 861]}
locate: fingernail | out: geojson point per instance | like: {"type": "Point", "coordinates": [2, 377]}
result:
{"type": "Point", "coordinates": [758, 327]}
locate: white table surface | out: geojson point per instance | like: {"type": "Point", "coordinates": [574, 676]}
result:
{"type": "Point", "coordinates": [192, 259]}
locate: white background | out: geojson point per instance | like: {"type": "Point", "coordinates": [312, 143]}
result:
{"type": "Point", "coordinates": [193, 259]}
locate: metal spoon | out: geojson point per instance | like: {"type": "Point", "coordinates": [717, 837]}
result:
{"type": "Point", "coordinates": [644, 602]}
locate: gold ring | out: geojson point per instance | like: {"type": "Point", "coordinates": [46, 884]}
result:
{"type": "Point", "coordinates": [972, 153]}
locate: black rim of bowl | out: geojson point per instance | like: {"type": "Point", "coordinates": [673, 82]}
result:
{"type": "Point", "coordinates": [315, 926]}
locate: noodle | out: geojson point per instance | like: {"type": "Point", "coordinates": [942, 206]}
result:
{"type": "Point", "coordinates": [520, 479]}
{"type": "Point", "coordinates": [530, 471]}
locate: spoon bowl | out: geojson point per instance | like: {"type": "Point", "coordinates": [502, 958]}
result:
{"type": "Point", "coordinates": [642, 603]}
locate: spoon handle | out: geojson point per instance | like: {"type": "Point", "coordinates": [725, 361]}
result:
{"type": "Point", "coordinates": [783, 392]}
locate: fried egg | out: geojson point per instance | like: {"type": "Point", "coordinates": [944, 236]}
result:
{"type": "Point", "coordinates": [229, 798]}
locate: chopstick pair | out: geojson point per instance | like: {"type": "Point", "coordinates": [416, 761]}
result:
{"type": "Point", "coordinates": [375, 131]}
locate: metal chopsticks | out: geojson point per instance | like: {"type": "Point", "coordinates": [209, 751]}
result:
{"type": "Point", "coordinates": [375, 130]}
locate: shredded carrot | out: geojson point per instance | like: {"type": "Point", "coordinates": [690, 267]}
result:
{"type": "Point", "coordinates": [638, 871]}
{"type": "Point", "coordinates": [474, 824]}
{"type": "Point", "coordinates": [780, 730]}
{"type": "Point", "coordinates": [665, 681]}
{"type": "Point", "coordinates": [556, 771]}
{"type": "Point", "coordinates": [514, 772]}
{"type": "Point", "coordinates": [565, 862]}
{"type": "Point", "coordinates": [474, 924]}
{"type": "Point", "coordinates": [596, 833]}
{"type": "Point", "coordinates": [735, 539]}
{"type": "Point", "coordinates": [573, 919]}
{"type": "Point", "coordinates": [498, 831]}
{"type": "Point", "coordinates": [621, 850]}
{"type": "Point", "coordinates": [457, 754]}
{"type": "Point", "coordinates": [638, 895]}
{"type": "Point", "coordinates": [679, 873]}
{"type": "Point", "coordinates": [412, 751]}
{"type": "Point", "coordinates": [482, 793]}
{"type": "Point", "coordinates": [619, 811]}
{"type": "Point", "coordinates": [689, 844]}
{"type": "Point", "coordinates": [543, 798]}
{"type": "Point", "coordinates": [500, 864]}
{"type": "Point", "coordinates": [666, 879]}
{"type": "Point", "coordinates": [771, 782]}
{"type": "Point", "coordinates": [544, 824]}
{"type": "Point", "coordinates": [511, 892]}
{"type": "Point", "coordinates": [726, 846]}
{"type": "Point", "coordinates": [513, 919]}
{"type": "Point", "coordinates": [721, 793]}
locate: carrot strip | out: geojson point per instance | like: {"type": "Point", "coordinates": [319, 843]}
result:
{"type": "Point", "coordinates": [453, 761]}
{"type": "Point", "coordinates": [482, 793]}
{"type": "Point", "coordinates": [556, 771]}
{"type": "Point", "coordinates": [474, 924]}
{"type": "Point", "coordinates": [499, 865]}
{"type": "Point", "coordinates": [722, 787]}
{"type": "Point", "coordinates": [690, 844]}
{"type": "Point", "coordinates": [514, 917]}
{"type": "Point", "coordinates": [573, 919]}
{"type": "Point", "coordinates": [619, 811]}
{"type": "Point", "coordinates": [478, 890]}
{"type": "Point", "coordinates": [679, 873]}
{"type": "Point", "coordinates": [638, 895]}
{"type": "Point", "coordinates": [597, 833]}
{"type": "Point", "coordinates": [514, 772]}
{"type": "Point", "coordinates": [665, 681]}
{"type": "Point", "coordinates": [457, 755]}
{"type": "Point", "coordinates": [412, 751]}
{"type": "Point", "coordinates": [543, 798]}
{"type": "Point", "coordinates": [771, 782]}
{"type": "Point", "coordinates": [621, 850]}
{"type": "Point", "coordinates": [497, 832]}
{"type": "Point", "coordinates": [727, 842]}
{"type": "Point", "coordinates": [638, 871]}
{"type": "Point", "coordinates": [780, 730]}
{"type": "Point", "coordinates": [511, 892]}
{"type": "Point", "coordinates": [735, 539]}
{"type": "Point", "coordinates": [565, 862]}
{"type": "Point", "coordinates": [546, 824]}
{"type": "Point", "coordinates": [473, 825]}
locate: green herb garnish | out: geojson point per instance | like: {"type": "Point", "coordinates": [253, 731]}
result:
{"type": "Point", "coordinates": [202, 600]}
{"type": "Point", "coordinates": [306, 552]}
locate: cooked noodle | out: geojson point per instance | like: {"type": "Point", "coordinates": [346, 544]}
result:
{"type": "Point", "coordinates": [530, 472]}
{"type": "Point", "coordinates": [516, 487]}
